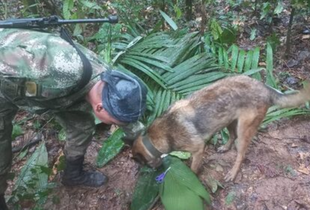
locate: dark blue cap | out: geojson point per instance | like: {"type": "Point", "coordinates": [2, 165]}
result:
{"type": "Point", "coordinates": [123, 96]}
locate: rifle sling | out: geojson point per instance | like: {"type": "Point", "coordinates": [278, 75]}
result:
{"type": "Point", "coordinates": [87, 68]}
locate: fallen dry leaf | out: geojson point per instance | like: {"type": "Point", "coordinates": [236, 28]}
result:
{"type": "Point", "coordinates": [303, 169]}
{"type": "Point", "coordinates": [55, 170]}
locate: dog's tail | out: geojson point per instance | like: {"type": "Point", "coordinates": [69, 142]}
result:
{"type": "Point", "coordinates": [290, 99]}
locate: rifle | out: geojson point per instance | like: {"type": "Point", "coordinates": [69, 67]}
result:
{"type": "Point", "coordinates": [52, 21]}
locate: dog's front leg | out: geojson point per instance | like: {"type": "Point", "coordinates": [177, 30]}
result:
{"type": "Point", "coordinates": [197, 158]}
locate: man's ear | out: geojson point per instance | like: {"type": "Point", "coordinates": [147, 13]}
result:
{"type": "Point", "coordinates": [99, 107]}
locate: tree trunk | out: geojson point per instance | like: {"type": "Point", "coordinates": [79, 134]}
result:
{"type": "Point", "coordinates": [203, 17]}
{"type": "Point", "coordinates": [188, 10]}
{"type": "Point", "coordinates": [163, 8]}
{"type": "Point", "coordinates": [288, 35]}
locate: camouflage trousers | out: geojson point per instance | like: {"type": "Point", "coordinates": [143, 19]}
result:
{"type": "Point", "coordinates": [79, 128]}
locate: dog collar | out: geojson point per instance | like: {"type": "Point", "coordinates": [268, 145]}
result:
{"type": "Point", "coordinates": [150, 147]}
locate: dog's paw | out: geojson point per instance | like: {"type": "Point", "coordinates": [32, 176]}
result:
{"type": "Point", "coordinates": [230, 176]}
{"type": "Point", "coordinates": [222, 149]}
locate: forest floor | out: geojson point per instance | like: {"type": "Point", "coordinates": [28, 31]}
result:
{"type": "Point", "coordinates": [274, 176]}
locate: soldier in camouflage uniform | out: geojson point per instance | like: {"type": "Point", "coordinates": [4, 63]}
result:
{"type": "Point", "coordinates": [39, 73]}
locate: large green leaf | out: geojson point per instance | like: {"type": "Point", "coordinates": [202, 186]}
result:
{"type": "Point", "coordinates": [146, 190]}
{"type": "Point", "coordinates": [176, 196]}
{"type": "Point", "coordinates": [181, 155]}
{"type": "Point", "coordinates": [31, 173]}
{"type": "Point", "coordinates": [181, 189]}
{"type": "Point", "coordinates": [111, 147]}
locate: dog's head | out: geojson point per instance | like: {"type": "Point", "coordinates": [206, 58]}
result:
{"type": "Point", "coordinates": [142, 155]}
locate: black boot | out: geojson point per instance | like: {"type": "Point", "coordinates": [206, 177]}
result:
{"type": "Point", "coordinates": [3, 205]}
{"type": "Point", "coordinates": [74, 175]}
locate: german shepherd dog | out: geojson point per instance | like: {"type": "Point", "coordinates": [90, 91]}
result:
{"type": "Point", "coordinates": [238, 103]}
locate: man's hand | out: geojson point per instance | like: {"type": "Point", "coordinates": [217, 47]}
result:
{"type": "Point", "coordinates": [132, 131]}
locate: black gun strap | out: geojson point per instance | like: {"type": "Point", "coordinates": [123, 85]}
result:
{"type": "Point", "coordinates": [87, 68]}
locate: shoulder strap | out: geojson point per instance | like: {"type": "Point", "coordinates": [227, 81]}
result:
{"type": "Point", "coordinates": [87, 68]}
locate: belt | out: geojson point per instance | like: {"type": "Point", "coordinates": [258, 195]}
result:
{"type": "Point", "coordinates": [19, 87]}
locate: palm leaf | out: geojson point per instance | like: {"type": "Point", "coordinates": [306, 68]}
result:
{"type": "Point", "coordinates": [248, 61]}
{"type": "Point", "coordinates": [169, 20]}
{"type": "Point", "coordinates": [171, 67]}
{"type": "Point", "coordinates": [238, 60]}
{"type": "Point", "coordinates": [189, 67]}
{"type": "Point", "coordinates": [143, 68]}
{"type": "Point", "coordinates": [153, 61]}
{"type": "Point", "coordinates": [255, 61]}
{"type": "Point", "coordinates": [198, 79]}
{"type": "Point", "coordinates": [234, 56]}
{"type": "Point", "coordinates": [274, 114]}
{"type": "Point", "coordinates": [270, 80]}
{"type": "Point", "coordinates": [191, 87]}
{"type": "Point", "coordinates": [241, 59]}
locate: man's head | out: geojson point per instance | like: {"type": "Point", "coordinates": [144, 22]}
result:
{"type": "Point", "coordinates": [121, 98]}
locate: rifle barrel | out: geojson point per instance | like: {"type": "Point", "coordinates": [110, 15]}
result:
{"type": "Point", "coordinates": [103, 20]}
{"type": "Point", "coordinates": [51, 21]}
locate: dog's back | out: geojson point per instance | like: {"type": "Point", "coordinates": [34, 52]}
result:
{"type": "Point", "coordinates": [212, 108]}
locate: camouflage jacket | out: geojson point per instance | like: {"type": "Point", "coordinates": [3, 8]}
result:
{"type": "Point", "coordinates": [49, 61]}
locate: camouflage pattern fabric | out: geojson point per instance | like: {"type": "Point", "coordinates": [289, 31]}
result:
{"type": "Point", "coordinates": [47, 60]}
